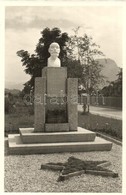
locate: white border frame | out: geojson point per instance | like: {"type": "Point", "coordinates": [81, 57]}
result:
{"type": "Point", "coordinates": [5, 3]}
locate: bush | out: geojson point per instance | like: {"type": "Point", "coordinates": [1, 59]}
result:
{"type": "Point", "coordinates": [8, 106]}
{"type": "Point", "coordinates": [31, 109]}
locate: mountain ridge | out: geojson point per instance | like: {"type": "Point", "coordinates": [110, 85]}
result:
{"type": "Point", "coordinates": [14, 85]}
{"type": "Point", "coordinates": [110, 71]}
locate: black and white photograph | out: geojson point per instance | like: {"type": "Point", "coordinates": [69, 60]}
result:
{"type": "Point", "coordinates": [63, 97]}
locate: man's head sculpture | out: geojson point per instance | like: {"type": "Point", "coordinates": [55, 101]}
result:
{"type": "Point", "coordinates": [53, 60]}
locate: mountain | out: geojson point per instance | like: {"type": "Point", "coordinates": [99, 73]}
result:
{"type": "Point", "coordinates": [14, 85]}
{"type": "Point", "coordinates": [110, 69]}
{"type": "Point", "coordinates": [12, 91]}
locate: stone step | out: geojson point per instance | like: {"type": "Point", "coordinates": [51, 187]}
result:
{"type": "Point", "coordinates": [56, 127]}
{"type": "Point", "coordinates": [81, 135]}
{"type": "Point", "coordinates": [17, 147]}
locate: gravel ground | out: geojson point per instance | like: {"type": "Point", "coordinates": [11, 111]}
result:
{"type": "Point", "coordinates": [23, 174]}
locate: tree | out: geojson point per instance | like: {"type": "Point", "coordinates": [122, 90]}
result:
{"type": "Point", "coordinates": [74, 69]}
{"type": "Point", "coordinates": [120, 75]}
{"type": "Point", "coordinates": [115, 87]}
{"type": "Point", "coordinates": [9, 101]}
{"type": "Point", "coordinates": [86, 52]}
{"type": "Point", "coordinates": [81, 65]}
{"type": "Point", "coordinates": [35, 62]}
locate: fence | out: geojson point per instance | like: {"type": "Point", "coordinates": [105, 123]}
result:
{"type": "Point", "coordinates": [101, 101]}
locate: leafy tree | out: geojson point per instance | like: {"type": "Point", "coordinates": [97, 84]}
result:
{"type": "Point", "coordinates": [120, 75]}
{"type": "Point", "coordinates": [26, 90]}
{"type": "Point", "coordinates": [74, 69]}
{"type": "Point", "coordinates": [9, 101]}
{"type": "Point", "coordinates": [80, 64]}
{"type": "Point", "coordinates": [87, 52]}
{"type": "Point", "coordinates": [114, 88]}
{"type": "Point", "coordinates": [35, 62]}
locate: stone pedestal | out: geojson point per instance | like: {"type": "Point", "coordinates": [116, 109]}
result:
{"type": "Point", "coordinates": [59, 101]}
{"type": "Point", "coordinates": [72, 101]}
{"type": "Point", "coordinates": [56, 119]}
{"type": "Point", "coordinates": [39, 103]}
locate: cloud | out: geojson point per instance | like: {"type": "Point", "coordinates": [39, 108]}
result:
{"type": "Point", "coordinates": [24, 24]}
{"type": "Point", "coordinates": [19, 24]}
{"type": "Point", "coordinates": [28, 17]}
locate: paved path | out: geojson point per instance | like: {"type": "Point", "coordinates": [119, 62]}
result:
{"type": "Point", "coordinates": [107, 112]}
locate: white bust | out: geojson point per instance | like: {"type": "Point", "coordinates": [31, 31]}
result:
{"type": "Point", "coordinates": [53, 60]}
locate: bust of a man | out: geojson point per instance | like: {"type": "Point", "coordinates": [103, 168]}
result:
{"type": "Point", "coordinates": [53, 60]}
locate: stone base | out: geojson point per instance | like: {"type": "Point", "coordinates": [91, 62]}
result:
{"type": "Point", "coordinates": [55, 142]}
{"type": "Point", "coordinates": [56, 127]}
{"type": "Point", "coordinates": [82, 135]}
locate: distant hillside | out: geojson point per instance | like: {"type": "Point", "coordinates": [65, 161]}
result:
{"type": "Point", "coordinates": [110, 68]}
{"type": "Point", "coordinates": [12, 91]}
{"type": "Point", "coordinates": [110, 71]}
{"type": "Point", "coordinates": [13, 85]}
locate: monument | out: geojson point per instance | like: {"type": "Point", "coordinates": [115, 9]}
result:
{"type": "Point", "coordinates": [53, 60]}
{"type": "Point", "coordinates": [55, 97]}
{"type": "Point", "coordinates": [56, 116]}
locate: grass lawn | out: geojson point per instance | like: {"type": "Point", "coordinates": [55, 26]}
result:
{"type": "Point", "coordinates": [15, 121]}
{"type": "Point", "coordinates": [109, 126]}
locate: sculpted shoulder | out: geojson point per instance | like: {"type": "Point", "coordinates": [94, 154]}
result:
{"type": "Point", "coordinates": [54, 63]}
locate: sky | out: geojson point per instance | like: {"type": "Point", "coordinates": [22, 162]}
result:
{"type": "Point", "coordinates": [23, 25]}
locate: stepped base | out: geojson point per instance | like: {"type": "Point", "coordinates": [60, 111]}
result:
{"type": "Point", "coordinates": [81, 135]}
{"type": "Point", "coordinates": [16, 146]}
{"type": "Point", "coordinates": [56, 127]}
